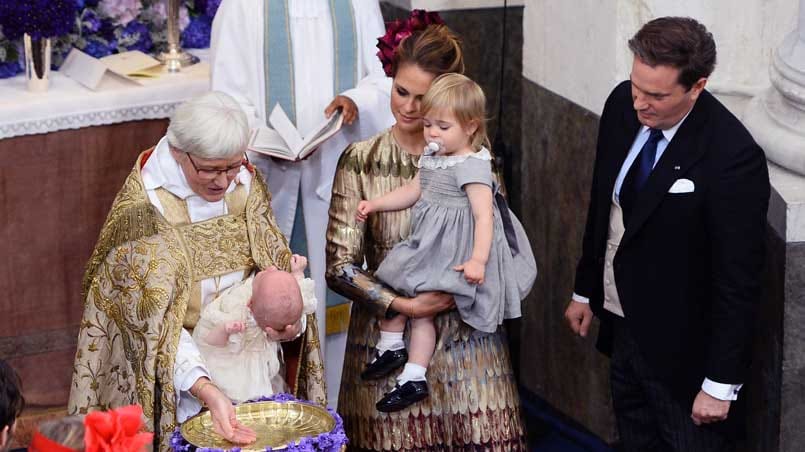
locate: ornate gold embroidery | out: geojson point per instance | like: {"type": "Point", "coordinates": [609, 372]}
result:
{"type": "Point", "coordinates": [217, 246]}
{"type": "Point", "coordinates": [133, 217]}
{"type": "Point", "coordinates": [268, 245]}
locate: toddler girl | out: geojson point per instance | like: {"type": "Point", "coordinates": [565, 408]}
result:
{"type": "Point", "coordinates": [464, 240]}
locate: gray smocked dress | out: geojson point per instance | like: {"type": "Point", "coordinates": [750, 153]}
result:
{"type": "Point", "coordinates": [442, 236]}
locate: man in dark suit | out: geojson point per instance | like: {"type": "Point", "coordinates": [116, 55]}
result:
{"type": "Point", "coordinates": [674, 246]}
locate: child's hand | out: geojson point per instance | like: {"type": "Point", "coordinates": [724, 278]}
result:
{"type": "Point", "coordinates": [298, 263]}
{"type": "Point", "coordinates": [473, 271]}
{"type": "Point", "coordinates": [364, 209]}
{"type": "Point", "coordinates": [235, 327]}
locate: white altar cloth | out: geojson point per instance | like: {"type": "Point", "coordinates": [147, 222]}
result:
{"type": "Point", "coordinates": [70, 105]}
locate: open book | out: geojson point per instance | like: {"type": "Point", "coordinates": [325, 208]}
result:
{"type": "Point", "coordinates": [284, 141]}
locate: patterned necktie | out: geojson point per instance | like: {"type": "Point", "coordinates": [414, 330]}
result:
{"type": "Point", "coordinates": [639, 172]}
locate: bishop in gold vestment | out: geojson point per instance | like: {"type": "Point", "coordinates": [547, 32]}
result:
{"type": "Point", "coordinates": [142, 290]}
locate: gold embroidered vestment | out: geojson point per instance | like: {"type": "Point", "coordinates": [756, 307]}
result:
{"type": "Point", "coordinates": [141, 287]}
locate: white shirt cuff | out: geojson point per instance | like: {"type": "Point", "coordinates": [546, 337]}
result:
{"type": "Point", "coordinates": [721, 391]}
{"type": "Point", "coordinates": [188, 368]}
{"type": "Point", "coordinates": [190, 378]}
{"type": "Point", "coordinates": [189, 365]}
{"type": "Point", "coordinates": [579, 299]}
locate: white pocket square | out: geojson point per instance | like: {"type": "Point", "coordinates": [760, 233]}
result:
{"type": "Point", "coordinates": [682, 186]}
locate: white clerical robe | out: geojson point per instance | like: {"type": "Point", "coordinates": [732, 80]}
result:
{"type": "Point", "coordinates": [237, 69]}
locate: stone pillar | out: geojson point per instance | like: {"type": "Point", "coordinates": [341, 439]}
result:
{"type": "Point", "coordinates": [777, 118]}
{"type": "Point", "coordinates": [777, 121]}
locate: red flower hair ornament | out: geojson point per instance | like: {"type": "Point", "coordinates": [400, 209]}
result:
{"type": "Point", "coordinates": [118, 430]}
{"type": "Point", "coordinates": [397, 30]}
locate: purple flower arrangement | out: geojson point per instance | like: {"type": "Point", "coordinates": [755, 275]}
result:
{"type": "Point", "coordinates": [331, 441]}
{"type": "Point", "coordinates": [197, 33]}
{"type": "Point", "coordinates": [98, 27]}
{"type": "Point", "coordinates": [38, 18]}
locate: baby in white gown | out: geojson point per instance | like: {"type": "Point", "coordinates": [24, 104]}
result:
{"type": "Point", "coordinates": [231, 337]}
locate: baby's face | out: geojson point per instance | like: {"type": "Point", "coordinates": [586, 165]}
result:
{"type": "Point", "coordinates": [276, 299]}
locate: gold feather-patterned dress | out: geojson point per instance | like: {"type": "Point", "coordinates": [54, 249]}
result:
{"type": "Point", "coordinates": [473, 403]}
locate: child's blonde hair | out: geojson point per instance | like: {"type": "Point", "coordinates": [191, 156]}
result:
{"type": "Point", "coordinates": [463, 97]}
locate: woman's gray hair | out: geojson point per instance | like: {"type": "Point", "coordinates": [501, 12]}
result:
{"type": "Point", "coordinates": [211, 126]}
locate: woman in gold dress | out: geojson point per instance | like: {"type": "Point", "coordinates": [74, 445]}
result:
{"type": "Point", "coordinates": [473, 403]}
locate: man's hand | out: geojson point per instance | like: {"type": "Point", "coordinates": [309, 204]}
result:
{"type": "Point", "coordinates": [707, 409]}
{"type": "Point", "coordinates": [347, 106]}
{"type": "Point", "coordinates": [579, 316]}
{"type": "Point", "coordinates": [286, 334]}
{"type": "Point", "coordinates": [224, 421]}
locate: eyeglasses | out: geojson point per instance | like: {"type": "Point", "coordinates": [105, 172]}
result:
{"type": "Point", "coordinates": [209, 174]}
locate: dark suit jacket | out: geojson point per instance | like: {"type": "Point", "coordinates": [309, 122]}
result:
{"type": "Point", "coordinates": [688, 268]}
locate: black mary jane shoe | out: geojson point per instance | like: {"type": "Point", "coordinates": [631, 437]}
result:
{"type": "Point", "coordinates": [385, 364]}
{"type": "Point", "coordinates": [403, 396]}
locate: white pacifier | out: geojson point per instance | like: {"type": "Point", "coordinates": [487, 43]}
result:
{"type": "Point", "coordinates": [433, 147]}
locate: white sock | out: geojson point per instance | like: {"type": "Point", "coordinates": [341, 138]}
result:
{"type": "Point", "coordinates": [388, 341]}
{"type": "Point", "coordinates": [411, 372]}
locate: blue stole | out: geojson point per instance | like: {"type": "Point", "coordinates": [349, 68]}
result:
{"type": "Point", "coordinates": [278, 53]}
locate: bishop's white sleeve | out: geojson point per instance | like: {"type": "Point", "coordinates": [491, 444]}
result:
{"type": "Point", "coordinates": [188, 367]}
{"type": "Point", "coordinates": [372, 92]}
{"type": "Point", "coordinates": [236, 63]}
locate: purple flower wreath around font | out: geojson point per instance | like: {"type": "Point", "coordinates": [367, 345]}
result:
{"type": "Point", "coordinates": [331, 441]}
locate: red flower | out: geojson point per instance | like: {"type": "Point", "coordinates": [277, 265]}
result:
{"type": "Point", "coordinates": [118, 430]}
{"type": "Point", "coordinates": [396, 31]}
